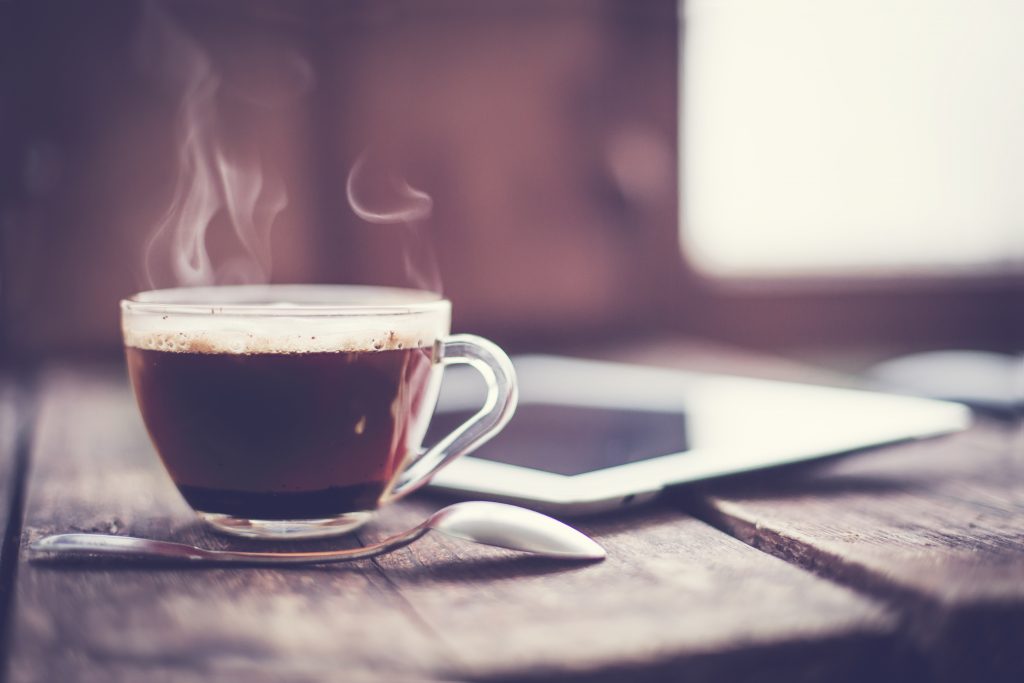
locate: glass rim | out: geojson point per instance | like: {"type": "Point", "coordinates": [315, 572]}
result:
{"type": "Point", "coordinates": [285, 300]}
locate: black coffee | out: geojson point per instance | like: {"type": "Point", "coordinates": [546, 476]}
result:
{"type": "Point", "coordinates": [283, 436]}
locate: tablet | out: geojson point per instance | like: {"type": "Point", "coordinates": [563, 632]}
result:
{"type": "Point", "coordinates": [590, 436]}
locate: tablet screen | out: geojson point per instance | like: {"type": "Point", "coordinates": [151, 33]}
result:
{"type": "Point", "coordinates": [571, 440]}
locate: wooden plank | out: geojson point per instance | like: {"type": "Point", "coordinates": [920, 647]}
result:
{"type": "Point", "coordinates": [8, 445]}
{"type": "Point", "coordinates": [94, 470]}
{"type": "Point", "coordinates": [675, 599]}
{"type": "Point", "coordinates": [10, 433]}
{"type": "Point", "coordinates": [935, 528]}
{"type": "Point", "coordinates": [11, 424]}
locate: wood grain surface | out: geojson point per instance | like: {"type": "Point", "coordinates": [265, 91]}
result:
{"type": "Point", "coordinates": [935, 528]}
{"type": "Point", "coordinates": [94, 470]}
{"type": "Point", "coordinates": [12, 416]}
{"type": "Point", "coordinates": [676, 598]}
{"type": "Point", "coordinates": [8, 453]}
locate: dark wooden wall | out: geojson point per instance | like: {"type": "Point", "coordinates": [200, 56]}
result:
{"type": "Point", "coordinates": [544, 131]}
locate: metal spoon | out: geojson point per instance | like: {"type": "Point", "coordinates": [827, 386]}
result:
{"type": "Point", "coordinates": [495, 524]}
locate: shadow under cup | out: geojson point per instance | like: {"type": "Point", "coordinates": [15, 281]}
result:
{"type": "Point", "coordinates": [293, 411]}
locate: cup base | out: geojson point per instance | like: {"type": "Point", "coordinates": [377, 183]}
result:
{"type": "Point", "coordinates": [288, 529]}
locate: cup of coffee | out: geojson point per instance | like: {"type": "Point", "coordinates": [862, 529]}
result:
{"type": "Point", "coordinates": [295, 411]}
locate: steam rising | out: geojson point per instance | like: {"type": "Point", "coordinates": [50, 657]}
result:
{"type": "Point", "coordinates": [395, 202]}
{"type": "Point", "coordinates": [215, 184]}
{"type": "Point", "coordinates": [209, 180]}
{"type": "Point", "coordinates": [411, 205]}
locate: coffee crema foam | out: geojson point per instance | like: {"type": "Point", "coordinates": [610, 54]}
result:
{"type": "Point", "coordinates": [284, 319]}
{"type": "Point", "coordinates": [281, 336]}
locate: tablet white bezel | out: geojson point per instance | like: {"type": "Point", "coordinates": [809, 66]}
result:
{"type": "Point", "coordinates": [745, 424]}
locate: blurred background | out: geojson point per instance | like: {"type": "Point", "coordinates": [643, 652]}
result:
{"type": "Point", "coordinates": [832, 181]}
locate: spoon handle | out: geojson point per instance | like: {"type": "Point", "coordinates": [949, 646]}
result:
{"type": "Point", "coordinates": [62, 546]}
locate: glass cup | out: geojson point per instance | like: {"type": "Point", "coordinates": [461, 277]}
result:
{"type": "Point", "coordinates": [295, 411]}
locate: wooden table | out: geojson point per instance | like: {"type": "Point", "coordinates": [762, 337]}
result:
{"type": "Point", "coordinates": [901, 563]}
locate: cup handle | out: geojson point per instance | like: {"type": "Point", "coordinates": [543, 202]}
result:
{"type": "Point", "coordinates": [502, 395]}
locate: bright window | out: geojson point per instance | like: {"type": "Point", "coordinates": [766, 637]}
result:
{"type": "Point", "coordinates": [844, 136]}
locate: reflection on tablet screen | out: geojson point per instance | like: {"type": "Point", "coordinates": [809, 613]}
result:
{"type": "Point", "coordinates": [571, 440]}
